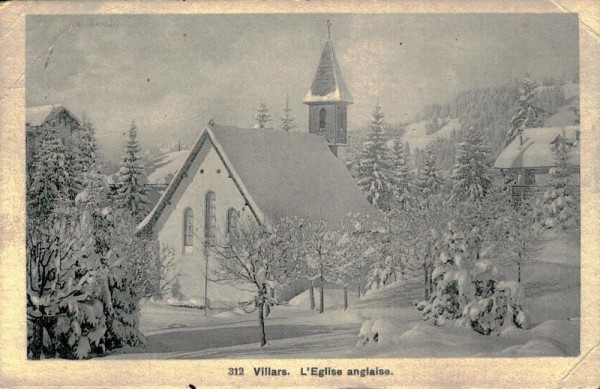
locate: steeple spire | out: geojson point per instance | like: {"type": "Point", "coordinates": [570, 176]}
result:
{"type": "Point", "coordinates": [328, 99]}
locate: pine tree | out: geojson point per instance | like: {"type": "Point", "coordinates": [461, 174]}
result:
{"type": "Point", "coordinates": [262, 117]}
{"type": "Point", "coordinates": [558, 204]}
{"type": "Point", "coordinates": [401, 179]}
{"type": "Point", "coordinates": [375, 166]}
{"type": "Point", "coordinates": [287, 121]}
{"type": "Point", "coordinates": [49, 181]}
{"type": "Point", "coordinates": [471, 178]}
{"type": "Point", "coordinates": [526, 114]}
{"type": "Point", "coordinates": [429, 181]}
{"type": "Point", "coordinates": [84, 154]}
{"type": "Point", "coordinates": [130, 193]}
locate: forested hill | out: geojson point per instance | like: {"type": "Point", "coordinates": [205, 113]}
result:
{"type": "Point", "coordinates": [489, 109]}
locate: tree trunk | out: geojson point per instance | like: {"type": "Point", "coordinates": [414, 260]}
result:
{"type": "Point", "coordinates": [345, 297]}
{"type": "Point", "coordinates": [322, 297]}
{"type": "Point", "coordinates": [261, 326]}
{"type": "Point", "coordinates": [312, 295]}
{"type": "Point", "coordinates": [261, 318]}
{"type": "Point", "coordinates": [426, 279]}
{"type": "Point", "coordinates": [359, 290]}
{"type": "Point", "coordinates": [519, 272]}
{"type": "Point", "coordinates": [430, 281]}
{"type": "Point", "coordinates": [205, 280]}
{"type": "Point", "coordinates": [38, 338]}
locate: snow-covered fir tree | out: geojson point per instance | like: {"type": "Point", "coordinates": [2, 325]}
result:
{"type": "Point", "coordinates": [468, 291]}
{"type": "Point", "coordinates": [429, 180]}
{"type": "Point", "coordinates": [130, 192]}
{"type": "Point", "coordinates": [262, 117]}
{"type": "Point", "coordinates": [559, 205]}
{"type": "Point", "coordinates": [374, 172]}
{"type": "Point", "coordinates": [287, 121]}
{"type": "Point", "coordinates": [49, 180]}
{"type": "Point", "coordinates": [471, 177]}
{"type": "Point", "coordinates": [401, 180]}
{"type": "Point", "coordinates": [526, 114]}
{"type": "Point", "coordinates": [449, 278]}
{"type": "Point", "coordinates": [62, 268]}
{"type": "Point", "coordinates": [84, 153]}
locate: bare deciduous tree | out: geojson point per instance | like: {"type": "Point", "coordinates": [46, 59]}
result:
{"type": "Point", "coordinates": [262, 256]}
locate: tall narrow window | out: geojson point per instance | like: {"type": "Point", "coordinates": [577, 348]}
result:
{"type": "Point", "coordinates": [322, 119]}
{"type": "Point", "coordinates": [188, 229]}
{"type": "Point", "coordinates": [232, 219]}
{"type": "Point", "coordinates": [210, 217]}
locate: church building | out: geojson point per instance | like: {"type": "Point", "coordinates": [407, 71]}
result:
{"type": "Point", "coordinates": [231, 173]}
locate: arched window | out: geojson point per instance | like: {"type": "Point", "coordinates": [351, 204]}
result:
{"type": "Point", "coordinates": [232, 219]}
{"type": "Point", "coordinates": [188, 229]}
{"type": "Point", "coordinates": [322, 119]}
{"type": "Point", "coordinates": [210, 216]}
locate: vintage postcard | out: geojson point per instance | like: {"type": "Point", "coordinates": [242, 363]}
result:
{"type": "Point", "coordinates": [299, 194]}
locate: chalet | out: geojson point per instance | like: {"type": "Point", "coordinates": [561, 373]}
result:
{"type": "Point", "coordinates": [530, 157]}
{"type": "Point", "coordinates": [40, 117]}
{"type": "Point", "coordinates": [263, 174]}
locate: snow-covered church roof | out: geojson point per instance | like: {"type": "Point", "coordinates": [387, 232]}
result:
{"type": "Point", "coordinates": [536, 150]}
{"type": "Point", "coordinates": [279, 173]}
{"type": "Point", "coordinates": [328, 84]}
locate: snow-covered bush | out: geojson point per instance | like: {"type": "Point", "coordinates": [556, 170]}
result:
{"type": "Point", "coordinates": [381, 332]}
{"type": "Point", "coordinates": [468, 291]}
{"type": "Point", "coordinates": [493, 305]}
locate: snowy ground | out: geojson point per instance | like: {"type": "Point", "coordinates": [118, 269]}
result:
{"type": "Point", "coordinates": [294, 331]}
{"type": "Point", "coordinates": [416, 133]}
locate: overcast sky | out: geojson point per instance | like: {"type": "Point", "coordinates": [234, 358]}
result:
{"type": "Point", "coordinates": [172, 73]}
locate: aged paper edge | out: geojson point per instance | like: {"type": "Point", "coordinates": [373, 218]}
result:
{"type": "Point", "coordinates": [16, 370]}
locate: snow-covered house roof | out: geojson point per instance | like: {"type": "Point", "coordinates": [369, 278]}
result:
{"type": "Point", "coordinates": [328, 84]}
{"type": "Point", "coordinates": [279, 174]}
{"type": "Point", "coordinates": [36, 116]}
{"type": "Point", "coordinates": [536, 150]}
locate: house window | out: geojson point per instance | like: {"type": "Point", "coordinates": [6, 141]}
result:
{"type": "Point", "coordinates": [322, 119]}
{"type": "Point", "coordinates": [188, 230]}
{"type": "Point", "coordinates": [232, 219]}
{"type": "Point", "coordinates": [210, 217]}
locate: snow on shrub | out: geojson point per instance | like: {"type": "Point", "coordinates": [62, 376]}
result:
{"type": "Point", "coordinates": [468, 292]}
{"type": "Point", "coordinates": [382, 332]}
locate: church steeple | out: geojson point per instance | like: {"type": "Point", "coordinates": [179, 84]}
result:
{"type": "Point", "coordinates": [328, 99]}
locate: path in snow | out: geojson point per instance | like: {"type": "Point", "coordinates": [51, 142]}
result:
{"type": "Point", "coordinates": [201, 339]}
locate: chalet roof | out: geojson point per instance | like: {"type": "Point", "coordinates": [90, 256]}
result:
{"type": "Point", "coordinates": [280, 174]}
{"type": "Point", "coordinates": [36, 116]}
{"type": "Point", "coordinates": [536, 150]}
{"type": "Point", "coordinates": [328, 84]}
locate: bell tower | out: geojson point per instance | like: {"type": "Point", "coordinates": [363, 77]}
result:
{"type": "Point", "coordinates": [328, 100]}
